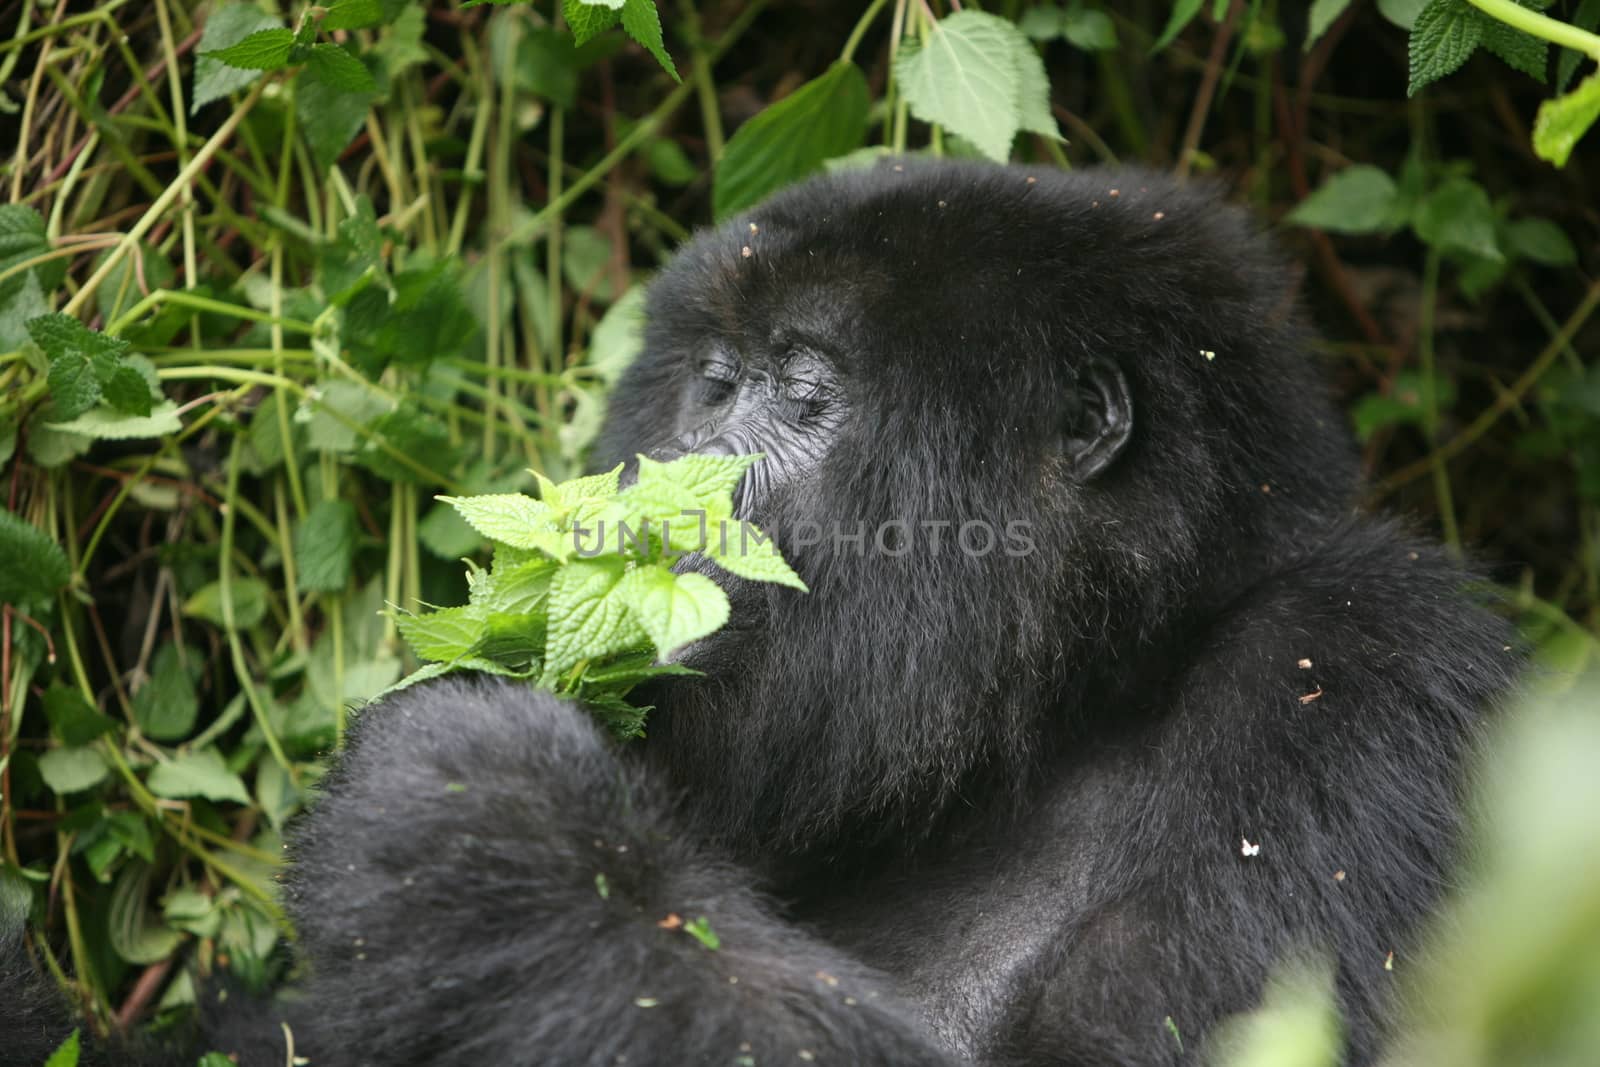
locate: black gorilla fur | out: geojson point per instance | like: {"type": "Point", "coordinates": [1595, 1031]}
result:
{"type": "Point", "coordinates": [945, 808]}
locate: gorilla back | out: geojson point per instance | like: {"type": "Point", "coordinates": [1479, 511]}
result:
{"type": "Point", "coordinates": [1104, 701]}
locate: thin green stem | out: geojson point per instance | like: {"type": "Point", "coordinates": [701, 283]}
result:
{"type": "Point", "coordinates": [1542, 26]}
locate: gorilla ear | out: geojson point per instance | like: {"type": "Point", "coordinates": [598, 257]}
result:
{"type": "Point", "coordinates": [1099, 419]}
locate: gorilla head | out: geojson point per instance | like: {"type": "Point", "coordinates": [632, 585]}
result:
{"type": "Point", "coordinates": [1020, 427]}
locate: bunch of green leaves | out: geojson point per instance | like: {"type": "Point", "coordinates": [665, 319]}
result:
{"type": "Point", "coordinates": [1445, 34]}
{"type": "Point", "coordinates": [582, 597]}
{"type": "Point", "coordinates": [589, 18]}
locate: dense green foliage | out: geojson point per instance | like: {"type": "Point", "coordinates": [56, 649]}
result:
{"type": "Point", "coordinates": [275, 278]}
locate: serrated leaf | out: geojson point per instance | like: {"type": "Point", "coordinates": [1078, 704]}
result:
{"type": "Point", "coordinates": [708, 480]}
{"type": "Point", "coordinates": [674, 609]}
{"type": "Point", "coordinates": [588, 487]}
{"type": "Point", "coordinates": [1563, 121]}
{"type": "Point", "coordinates": [643, 24]}
{"type": "Point", "coordinates": [965, 79]}
{"type": "Point", "coordinates": [791, 139]}
{"type": "Point", "coordinates": [1457, 216]}
{"type": "Point", "coordinates": [72, 770]}
{"type": "Point", "coordinates": [1358, 199]}
{"type": "Point", "coordinates": [197, 774]}
{"type": "Point", "coordinates": [444, 635]}
{"type": "Point", "coordinates": [72, 718]}
{"type": "Point", "coordinates": [401, 47]}
{"type": "Point", "coordinates": [73, 387]}
{"type": "Point", "coordinates": [1519, 50]}
{"type": "Point", "coordinates": [1444, 37]}
{"type": "Point", "coordinates": [1323, 14]}
{"type": "Point", "coordinates": [103, 424]}
{"type": "Point", "coordinates": [328, 108]}
{"type": "Point", "coordinates": [586, 20]}
{"type": "Point", "coordinates": [1183, 13]}
{"type": "Point", "coordinates": [518, 589]}
{"type": "Point", "coordinates": [629, 671]}
{"type": "Point", "coordinates": [741, 548]}
{"type": "Point", "coordinates": [513, 519]}
{"type": "Point", "coordinates": [32, 566]}
{"type": "Point", "coordinates": [1541, 241]}
{"type": "Point", "coordinates": [261, 50]}
{"type": "Point", "coordinates": [325, 546]}
{"type": "Point", "coordinates": [227, 25]}
{"type": "Point", "coordinates": [165, 707]}
{"type": "Point", "coordinates": [1033, 90]}
{"type": "Point", "coordinates": [249, 602]}
{"type": "Point", "coordinates": [128, 392]}
{"type": "Point", "coordinates": [340, 70]}
{"type": "Point", "coordinates": [352, 15]}
{"type": "Point", "coordinates": [589, 615]}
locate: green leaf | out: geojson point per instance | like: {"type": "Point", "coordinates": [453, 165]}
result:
{"type": "Point", "coordinates": [249, 603]}
{"type": "Point", "coordinates": [135, 932]}
{"type": "Point", "coordinates": [22, 237]}
{"type": "Point", "coordinates": [66, 1054]}
{"type": "Point", "coordinates": [327, 105]}
{"type": "Point", "coordinates": [1090, 30]}
{"type": "Point", "coordinates": [1541, 241]}
{"type": "Point", "coordinates": [589, 614]}
{"type": "Point", "coordinates": [401, 47]}
{"type": "Point", "coordinates": [1323, 14]}
{"type": "Point", "coordinates": [1519, 50]}
{"type": "Point", "coordinates": [700, 930]}
{"type": "Point", "coordinates": [1587, 17]}
{"type": "Point", "coordinates": [128, 392]}
{"type": "Point", "coordinates": [82, 362]}
{"type": "Point", "coordinates": [197, 774]}
{"type": "Point", "coordinates": [586, 20]}
{"type": "Point", "coordinates": [789, 140]}
{"type": "Point", "coordinates": [708, 480]}
{"type": "Point", "coordinates": [547, 65]}
{"type": "Point", "coordinates": [1457, 216]}
{"type": "Point", "coordinates": [262, 50]}
{"type": "Point", "coordinates": [32, 565]}
{"type": "Point", "coordinates": [325, 547]}
{"type": "Point", "coordinates": [103, 424]}
{"type": "Point", "coordinates": [513, 519]}
{"type": "Point", "coordinates": [166, 705]}
{"type": "Point", "coordinates": [619, 338]}
{"type": "Point", "coordinates": [965, 79]}
{"type": "Point", "coordinates": [1183, 13]}
{"type": "Point", "coordinates": [1358, 199]}
{"type": "Point", "coordinates": [444, 635]}
{"type": "Point", "coordinates": [1042, 23]}
{"type": "Point", "coordinates": [228, 25]}
{"type": "Point", "coordinates": [353, 15]}
{"type": "Point", "coordinates": [589, 487]}
{"type": "Point", "coordinates": [743, 549]}
{"type": "Point", "coordinates": [1033, 90]}
{"type": "Point", "coordinates": [340, 70]}
{"type": "Point", "coordinates": [674, 609]}
{"type": "Point", "coordinates": [72, 718]}
{"type": "Point", "coordinates": [21, 299]}
{"type": "Point", "coordinates": [643, 24]}
{"type": "Point", "coordinates": [1563, 121]}
{"type": "Point", "coordinates": [1446, 34]}
{"type": "Point", "coordinates": [1402, 13]}
{"type": "Point", "coordinates": [1407, 402]}
{"type": "Point", "coordinates": [72, 770]}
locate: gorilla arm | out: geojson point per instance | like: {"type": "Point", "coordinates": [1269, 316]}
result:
{"type": "Point", "coordinates": [485, 881]}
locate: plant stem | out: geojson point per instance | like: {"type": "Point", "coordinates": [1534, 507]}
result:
{"type": "Point", "coordinates": [1542, 26]}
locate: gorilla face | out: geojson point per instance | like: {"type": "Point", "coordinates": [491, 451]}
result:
{"type": "Point", "coordinates": [1035, 401]}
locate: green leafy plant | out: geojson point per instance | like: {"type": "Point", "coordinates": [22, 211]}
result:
{"type": "Point", "coordinates": [582, 598]}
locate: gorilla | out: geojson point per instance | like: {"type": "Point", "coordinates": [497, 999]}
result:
{"type": "Point", "coordinates": [1105, 700]}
